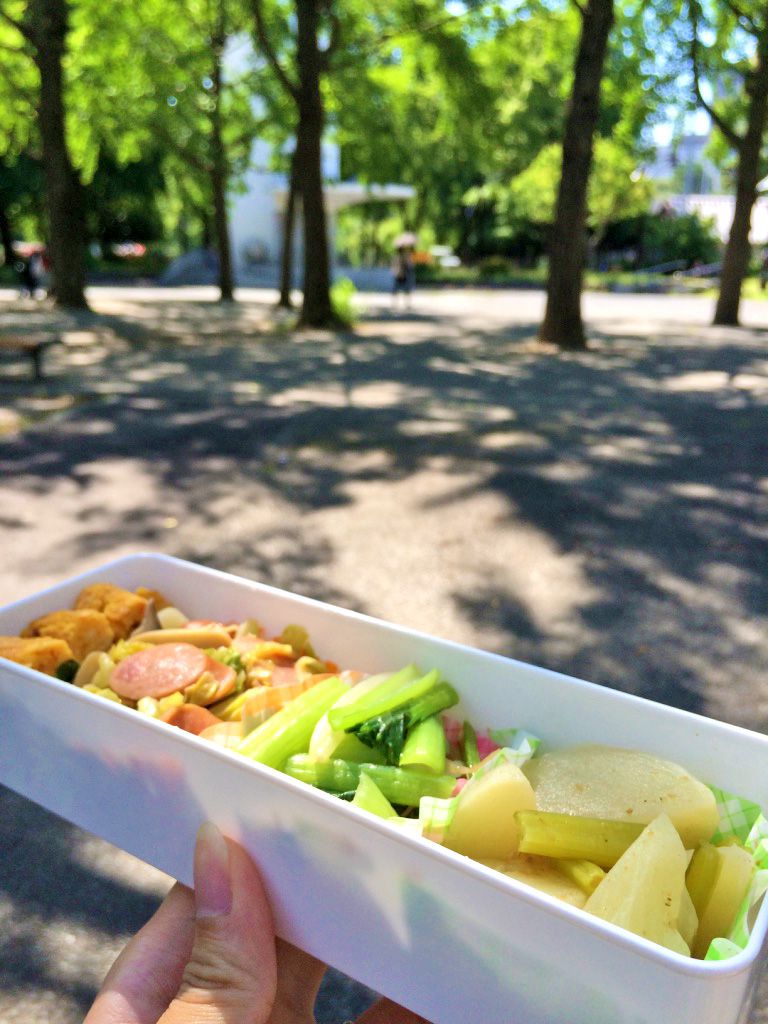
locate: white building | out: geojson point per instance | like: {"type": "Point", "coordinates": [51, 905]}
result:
{"type": "Point", "coordinates": [257, 209]}
{"type": "Point", "coordinates": [700, 188]}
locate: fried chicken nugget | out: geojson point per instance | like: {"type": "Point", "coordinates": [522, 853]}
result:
{"type": "Point", "coordinates": [44, 653]}
{"type": "Point", "coordinates": [85, 630]}
{"type": "Point", "coordinates": [161, 601]}
{"type": "Point", "coordinates": [123, 609]}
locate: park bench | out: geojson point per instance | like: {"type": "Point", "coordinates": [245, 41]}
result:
{"type": "Point", "coordinates": [32, 345]}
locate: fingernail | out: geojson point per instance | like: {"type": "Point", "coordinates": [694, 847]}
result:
{"type": "Point", "coordinates": [213, 881]}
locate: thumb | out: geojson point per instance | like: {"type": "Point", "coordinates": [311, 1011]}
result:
{"type": "Point", "coordinates": [230, 977]}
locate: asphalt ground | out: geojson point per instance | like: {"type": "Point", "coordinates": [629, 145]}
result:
{"type": "Point", "coordinates": [601, 514]}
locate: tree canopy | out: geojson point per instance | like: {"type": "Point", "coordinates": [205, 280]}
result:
{"type": "Point", "coordinates": [467, 102]}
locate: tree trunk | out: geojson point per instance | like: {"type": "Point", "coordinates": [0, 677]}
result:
{"type": "Point", "coordinates": [562, 323]}
{"type": "Point", "coordinates": [47, 23]}
{"type": "Point", "coordinates": [220, 174]}
{"type": "Point", "coordinates": [286, 256]}
{"type": "Point", "coordinates": [316, 310]}
{"type": "Point", "coordinates": [737, 249]}
{"type": "Point", "coordinates": [6, 239]}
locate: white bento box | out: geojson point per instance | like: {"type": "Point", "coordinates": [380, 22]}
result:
{"type": "Point", "coordinates": [449, 938]}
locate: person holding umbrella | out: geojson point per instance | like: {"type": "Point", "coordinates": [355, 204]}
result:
{"type": "Point", "coordinates": [403, 270]}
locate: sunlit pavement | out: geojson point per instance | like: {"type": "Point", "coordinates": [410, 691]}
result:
{"type": "Point", "coordinates": [601, 513]}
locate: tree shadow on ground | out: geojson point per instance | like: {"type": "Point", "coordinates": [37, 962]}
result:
{"type": "Point", "coordinates": [643, 459]}
{"type": "Point", "coordinates": [600, 513]}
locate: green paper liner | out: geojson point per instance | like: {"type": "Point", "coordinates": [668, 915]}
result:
{"type": "Point", "coordinates": [745, 821]}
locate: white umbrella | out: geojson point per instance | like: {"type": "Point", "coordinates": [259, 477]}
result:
{"type": "Point", "coordinates": [407, 240]}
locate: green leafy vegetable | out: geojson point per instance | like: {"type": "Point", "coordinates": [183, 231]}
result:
{"type": "Point", "coordinates": [392, 693]}
{"type": "Point", "coordinates": [387, 733]}
{"type": "Point", "coordinates": [404, 786]}
{"type": "Point", "coordinates": [369, 798]}
{"type": "Point", "coordinates": [67, 670]}
{"type": "Point", "coordinates": [469, 740]}
{"type": "Point", "coordinates": [425, 746]}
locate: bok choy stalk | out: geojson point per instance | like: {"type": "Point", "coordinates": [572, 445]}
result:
{"type": "Point", "coordinates": [601, 841]}
{"type": "Point", "coordinates": [425, 745]}
{"type": "Point", "coordinates": [388, 732]}
{"type": "Point", "coordinates": [288, 731]}
{"type": "Point", "coordinates": [368, 797]}
{"type": "Point", "coordinates": [405, 786]}
{"type": "Point", "coordinates": [398, 689]}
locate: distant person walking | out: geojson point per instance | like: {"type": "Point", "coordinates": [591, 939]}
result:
{"type": "Point", "coordinates": [403, 274]}
{"type": "Point", "coordinates": [26, 268]}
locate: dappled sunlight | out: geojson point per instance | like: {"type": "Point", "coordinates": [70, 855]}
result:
{"type": "Point", "coordinates": [157, 371]}
{"type": "Point", "coordinates": [310, 396]}
{"type": "Point", "coordinates": [549, 584]}
{"type": "Point", "coordinates": [380, 394]}
{"type": "Point", "coordinates": [701, 380]}
{"type": "Point", "coordinates": [500, 439]}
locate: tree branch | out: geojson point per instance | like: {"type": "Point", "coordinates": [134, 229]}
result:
{"type": "Point", "coordinates": [265, 44]}
{"type": "Point", "coordinates": [18, 25]}
{"type": "Point", "coordinates": [334, 40]}
{"type": "Point", "coordinates": [580, 7]}
{"type": "Point", "coordinates": [402, 33]}
{"type": "Point", "coordinates": [739, 13]}
{"type": "Point", "coordinates": [730, 134]}
{"type": "Point", "coordinates": [204, 166]}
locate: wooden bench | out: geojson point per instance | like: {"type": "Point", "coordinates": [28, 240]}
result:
{"type": "Point", "coordinates": [32, 345]}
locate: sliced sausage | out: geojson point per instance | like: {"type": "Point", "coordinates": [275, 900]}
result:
{"type": "Point", "coordinates": [158, 671]}
{"type": "Point", "coordinates": [284, 675]}
{"type": "Point", "coordinates": [190, 717]}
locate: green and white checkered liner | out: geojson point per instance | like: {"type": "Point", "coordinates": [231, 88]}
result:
{"type": "Point", "coordinates": [744, 820]}
{"type": "Point", "coordinates": [518, 746]}
{"type": "Point", "coordinates": [737, 816]}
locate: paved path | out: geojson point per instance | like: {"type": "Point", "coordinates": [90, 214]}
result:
{"type": "Point", "coordinates": [603, 514]}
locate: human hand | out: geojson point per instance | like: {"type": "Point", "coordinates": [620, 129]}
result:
{"type": "Point", "coordinates": [211, 956]}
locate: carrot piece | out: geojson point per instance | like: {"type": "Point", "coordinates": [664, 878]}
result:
{"type": "Point", "coordinates": [190, 717]}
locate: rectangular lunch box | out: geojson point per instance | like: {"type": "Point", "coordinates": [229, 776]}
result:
{"type": "Point", "coordinates": [443, 935]}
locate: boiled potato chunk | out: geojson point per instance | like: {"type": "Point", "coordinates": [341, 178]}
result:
{"type": "Point", "coordinates": [484, 825]}
{"type": "Point", "coordinates": [595, 781]}
{"type": "Point", "coordinates": [721, 904]}
{"type": "Point", "coordinates": [540, 873]}
{"type": "Point", "coordinates": [687, 919]}
{"type": "Point", "coordinates": [643, 891]}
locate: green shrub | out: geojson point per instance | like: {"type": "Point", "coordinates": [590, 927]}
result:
{"type": "Point", "coordinates": [343, 294]}
{"type": "Point", "coordinates": [496, 267]}
{"type": "Point", "coordinates": [668, 237]}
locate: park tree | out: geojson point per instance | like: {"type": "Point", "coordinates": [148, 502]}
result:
{"type": "Point", "coordinates": [40, 33]}
{"type": "Point", "coordinates": [728, 47]}
{"type": "Point", "coordinates": [562, 324]}
{"type": "Point", "coordinates": [315, 38]}
{"type": "Point", "coordinates": [617, 189]}
{"type": "Point", "coordinates": [189, 102]}
{"type": "Point", "coordinates": [403, 99]}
